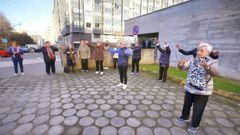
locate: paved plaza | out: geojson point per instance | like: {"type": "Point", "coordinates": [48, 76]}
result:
{"type": "Point", "coordinates": [89, 104]}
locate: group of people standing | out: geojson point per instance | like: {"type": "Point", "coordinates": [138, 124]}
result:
{"type": "Point", "coordinates": [199, 83]}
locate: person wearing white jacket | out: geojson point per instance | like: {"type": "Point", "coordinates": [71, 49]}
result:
{"type": "Point", "coordinates": [199, 85]}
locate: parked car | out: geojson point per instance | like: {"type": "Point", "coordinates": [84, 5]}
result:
{"type": "Point", "coordinates": [34, 47]}
{"type": "Point", "coordinates": [4, 53]}
{"type": "Point", "coordinates": [25, 49]}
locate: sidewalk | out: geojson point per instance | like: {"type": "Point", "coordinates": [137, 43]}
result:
{"type": "Point", "coordinates": [92, 104]}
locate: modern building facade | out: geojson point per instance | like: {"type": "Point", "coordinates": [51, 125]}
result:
{"type": "Point", "coordinates": [214, 21]}
{"type": "Point", "coordinates": [99, 19]}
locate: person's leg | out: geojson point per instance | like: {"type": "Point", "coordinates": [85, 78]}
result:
{"type": "Point", "coordinates": [15, 66]}
{"type": "Point", "coordinates": [125, 74]}
{"type": "Point", "coordinates": [87, 64]}
{"type": "Point", "coordinates": [114, 63]}
{"type": "Point", "coordinates": [120, 69]}
{"type": "Point", "coordinates": [97, 65]}
{"type": "Point", "coordinates": [47, 63]}
{"type": "Point", "coordinates": [188, 100]}
{"type": "Point", "coordinates": [137, 65]}
{"type": "Point", "coordinates": [161, 69]}
{"type": "Point", "coordinates": [165, 73]}
{"type": "Point", "coordinates": [52, 62]}
{"type": "Point", "coordinates": [133, 65]}
{"type": "Point", "coordinates": [200, 102]}
{"type": "Point", "coordinates": [82, 62]}
{"type": "Point", "coordinates": [101, 65]}
{"type": "Point", "coordinates": [20, 61]}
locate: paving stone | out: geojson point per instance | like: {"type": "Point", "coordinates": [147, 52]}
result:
{"type": "Point", "coordinates": [117, 122]}
{"type": "Point", "coordinates": [102, 121]}
{"type": "Point", "coordinates": [73, 131]}
{"type": "Point", "coordinates": [89, 101]}
{"type": "Point", "coordinates": [164, 122]}
{"type": "Point", "coordinates": [41, 119]}
{"type": "Point", "coordinates": [29, 110]}
{"type": "Point", "coordinates": [110, 113]}
{"type": "Point", "coordinates": [149, 122]}
{"type": "Point", "coordinates": [96, 113]}
{"type": "Point", "coordinates": [126, 131]}
{"type": "Point", "coordinates": [56, 120]}
{"type": "Point", "coordinates": [105, 107]}
{"type": "Point", "coordinates": [11, 118]}
{"type": "Point", "coordinates": [26, 118]}
{"type": "Point", "coordinates": [70, 121]}
{"type": "Point", "coordinates": [139, 113]}
{"type": "Point", "coordinates": [212, 131]}
{"type": "Point", "coordinates": [43, 111]}
{"type": "Point", "coordinates": [4, 109]}
{"type": "Point", "coordinates": [161, 131]}
{"type": "Point", "coordinates": [144, 131]}
{"type": "Point", "coordinates": [109, 130]}
{"type": "Point", "coordinates": [83, 113]}
{"type": "Point", "coordinates": [23, 129]}
{"type": "Point", "coordinates": [55, 105]}
{"type": "Point", "coordinates": [56, 130]}
{"type": "Point", "coordinates": [43, 104]}
{"type": "Point", "coordinates": [92, 106]}
{"type": "Point", "coordinates": [123, 101]}
{"type": "Point", "coordinates": [112, 101]}
{"type": "Point", "coordinates": [152, 114]}
{"type": "Point", "coordinates": [68, 106]}
{"type": "Point", "coordinates": [66, 100]}
{"type": "Point", "coordinates": [56, 112]}
{"type": "Point", "coordinates": [143, 107]}
{"type": "Point", "coordinates": [125, 113]}
{"type": "Point", "coordinates": [133, 122]}
{"type": "Point", "coordinates": [69, 112]}
{"type": "Point", "coordinates": [178, 131]}
{"type": "Point", "coordinates": [224, 122]}
{"type": "Point", "coordinates": [7, 127]}
{"type": "Point", "coordinates": [40, 129]}
{"type": "Point", "coordinates": [130, 107]}
{"type": "Point", "coordinates": [92, 130]}
{"type": "Point", "coordinates": [86, 121]}
{"type": "Point", "coordinates": [100, 101]}
{"type": "Point", "coordinates": [166, 114]}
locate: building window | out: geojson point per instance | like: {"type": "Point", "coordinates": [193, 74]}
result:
{"type": "Point", "coordinates": [76, 23]}
{"type": "Point", "coordinates": [88, 25]}
{"type": "Point", "coordinates": [97, 25]}
{"type": "Point", "coordinates": [96, 35]}
{"type": "Point", "coordinates": [75, 10]}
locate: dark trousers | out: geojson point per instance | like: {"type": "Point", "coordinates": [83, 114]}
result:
{"type": "Point", "coordinates": [84, 64]}
{"type": "Point", "coordinates": [163, 72]}
{"type": "Point", "coordinates": [99, 65]}
{"type": "Point", "coordinates": [115, 60]}
{"type": "Point", "coordinates": [50, 65]}
{"type": "Point", "coordinates": [123, 74]}
{"type": "Point", "coordinates": [15, 64]}
{"type": "Point", "coordinates": [199, 102]}
{"type": "Point", "coordinates": [135, 62]}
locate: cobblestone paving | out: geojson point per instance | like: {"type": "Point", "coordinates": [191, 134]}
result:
{"type": "Point", "coordinates": [91, 104]}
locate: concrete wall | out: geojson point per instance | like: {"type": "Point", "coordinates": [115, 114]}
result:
{"type": "Point", "coordinates": [213, 21]}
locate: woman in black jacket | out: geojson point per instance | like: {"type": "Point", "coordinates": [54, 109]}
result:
{"type": "Point", "coordinates": [49, 57]}
{"type": "Point", "coordinates": [70, 56]}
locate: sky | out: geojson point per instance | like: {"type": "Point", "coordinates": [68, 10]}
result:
{"type": "Point", "coordinates": [34, 15]}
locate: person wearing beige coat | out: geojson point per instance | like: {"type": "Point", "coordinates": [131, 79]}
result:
{"type": "Point", "coordinates": [84, 53]}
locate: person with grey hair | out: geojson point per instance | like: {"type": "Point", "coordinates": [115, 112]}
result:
{"type": "Point", "coordinates": [123, 55]}
{"type": "Point", "coordinates": [198, 86]}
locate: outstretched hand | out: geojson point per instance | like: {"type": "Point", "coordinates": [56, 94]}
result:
{"type": "Point", "coordinates": [178, 46]}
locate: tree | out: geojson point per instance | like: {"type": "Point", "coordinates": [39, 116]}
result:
{"type": "Point", "coordinates": [21, 38]}
{"type": "Point", "coordinates": [5, 26]}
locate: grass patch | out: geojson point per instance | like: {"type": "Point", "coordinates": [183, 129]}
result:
{"type": "Point", "coordinates": [219, 82]}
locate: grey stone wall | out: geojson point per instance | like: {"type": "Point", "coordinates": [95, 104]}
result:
{"type": "Point", "coordinates": [214, 21]}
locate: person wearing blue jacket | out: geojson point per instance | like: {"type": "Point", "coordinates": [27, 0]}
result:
{"type": "Point", "coordinates": [164, 61]}
{"type": "Point", "coordinates": [123, 55]}
{"type": "Point", "coordinates": [16, 52]}
{"type": "Point", "coordinates": [136, 57]}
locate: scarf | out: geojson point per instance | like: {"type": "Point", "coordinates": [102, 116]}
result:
{"type": "Point", "coordinates": [17, 51]}
{"type": "Point", "coordinates": [50, 52]}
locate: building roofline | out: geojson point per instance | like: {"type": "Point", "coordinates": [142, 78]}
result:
{"type": "Point", "coordinates": [158, 10]}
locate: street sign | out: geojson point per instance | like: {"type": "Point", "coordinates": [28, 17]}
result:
{"type": "Point", "coordinates": [4, 40]}
{"type": "Point", "coordinates": [135, 30]}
